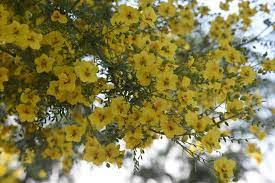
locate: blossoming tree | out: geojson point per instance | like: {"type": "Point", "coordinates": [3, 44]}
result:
{"type": "Point", "coordinates": [92, 79]}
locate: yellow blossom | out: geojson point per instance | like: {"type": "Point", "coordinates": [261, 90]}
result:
{"type": "Point", "coordinates": [3, 170]}
{"type": "Point", "coordinates": [3, 15]}
{"type": "Point", "coordinates": [234, 106]}
{"type": "Point", "coordinates": [213, 71]}
{"type": "Point", "coordinates": [112, 152]}
{"type": "Point", "coordinates": [66, 78]}
{"type": "Point", "coordinates": [253, 151]}
{"type": "Point", "coordinates": [15, 32]}
{"type": "Point", "coordinates": [166, 9]}
{"type": "Point", "coordinates": [26, 112]}
{"type": "Point", "coordinates": [100, 117]}
{"type": "Point", "coordinates": [33, 40]}
{"type": "Point", "coordinates": [133, 138]}
{"type": "Point", "coordinates": [57, 16]}
{"type": "Point", "coordinates": [185, 82]}
{"type": "Point", "coordinates": [269, 65]}
{"type": "Point", "coordinates": [74, 133]}
{"type": "Point", "coordinates": [128, 14]}
{"type": "Point", "coordinates": [94, 155]}
{"type": "Point", "coordinates": [224, 168]}
{"type": "Point", "coordinates": [86, 71]}
{"type": "Point", "coordinates": [148, 17]}
{"type": "Point", "coordinates": [44, 63]}
{"type": "Point", "coordinates": [168, 49]}
{"type": "Point", "coordinates": [166, 81]}
{"type": "Point", "coordinates": [211, 140]}
{"type": "Point", "coordinates": [54, 39]}
{"type": "Point", "coordinates": [170, 129]}
{"type": "Point", "coordinates": [29, 97]}
{"type": "Point", "coordinates": [42, 173]}
{"type": "Point", "coordinates": [247, 75]}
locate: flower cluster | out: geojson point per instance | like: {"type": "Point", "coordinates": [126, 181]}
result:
{"type": "Point", "coordinates": [78, 77]}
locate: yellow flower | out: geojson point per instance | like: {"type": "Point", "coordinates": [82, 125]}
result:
{"type": "Point", "coordinates": [112, 152]}
{"type": "Point", "coordinates": [67, 149]}
{"type": "Point", "coordinates": [211, 140]}
{"type": "Point", "coordinates": [119, 23]}
{"type": "Point", "coordinates": [101, 117]}
{"type": "Point", "coordinates": [186, 98]}
{"type": "Point", "coordinates": [42, 173]}
{"type": "Point", "coordinates": [128, 14]}
{"type": "Point", "coordinates": [161, 105]}
{"type": "Point", "coordinates": [3, 15]}
{"type": "Point", "coordinates": [185, 82]}
{"type": "Point", "coordinates": [204, 10]}
{"type": "Point", "coordinates": [191, 118]}
{"type": "Point", "coordinates": [233, 56]}
{"type": "Point", "coordinates": [148, 115]}
{"type": "Point", "coordinates": [254, 128]}
{"type": "Point", "coordinates": [170, 129]}
{"type": "Point", "coordinates": [261, 135]}
{"type": "Point", "coordinates": [253, 151]}
{"type": "Point", "coordinates": [146, 3]}
{"type": "Point", "coordinates": [33, 40]}
{"type": "Point", "coordinates": [234, 106]}
{"type": "Point", "coordinates": [120, 107]}
{"type": "Point", "coordinates": [57, 16]}
{"type": "Point", "coordinates": [91, 142]}
{"type": "Point", "coordinates": [168, 49]}
{"type": "Point", "coordinates": [26, 112]}
{"type": "Point", "coordinates": [193, 121]}
{"type": "Point", "coordinates": [54, 39]}
{"type": "Point", "coordinates": [166, 9]}
{"type": "Point", "coordinates": [66, 78]}
{"type": "Point", "coordinates": [213, 71]}
{"type": "Point", "coordinates": [166, 81]}
{"type": "Point", "coordinates": [144, 77]}
{"type": "Point", "coordinates": [247, 75]}
{"type": "Point", "coordinates": [67, 164]}
{"type": "Point", "coordinates": [29, 156]}
{"type": "Point", "coordinates": [15, 32]}
{"type": "Point", "coordinates": [224, 169]}
{"type": "Point", "coordinates": [224, 6]}
{"type": "Point", "coordinates": [257, 132]}
{"type": "Point", "coordinates": [74, 133]}
{"type": "Point", "coordinates": [56, 138]}
{"type": "Point", "coordinates": [29, 97]}
{"type": "Point", "coordinates": [3, 170]}
{"type": "Point", "coordinates": [148, 17]}
{"type": "Point", "coordinates": [44, 63]}
{"type": "Point", "coordinates": [54, 90]}
{"type": "Point", "coordinates": [96, 155]}
{"type": "Point", "coordinates": [86, 71]}
{"type": "Point", "coordinates": [74, 96]}
{"type": "Point", "coordinates": [269, 65]}
{"type": "Point", "coordinates": [52, 153]}
{"type": "Point", "coordinates": [143, 61]}
{"type": "Point", "coordinates": [133, 138]}
{"type": "Point", "coordinates": [3, 77]}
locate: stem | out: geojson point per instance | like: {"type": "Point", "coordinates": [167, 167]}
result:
{"type": "Point", "coordinates": [252, 39]}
